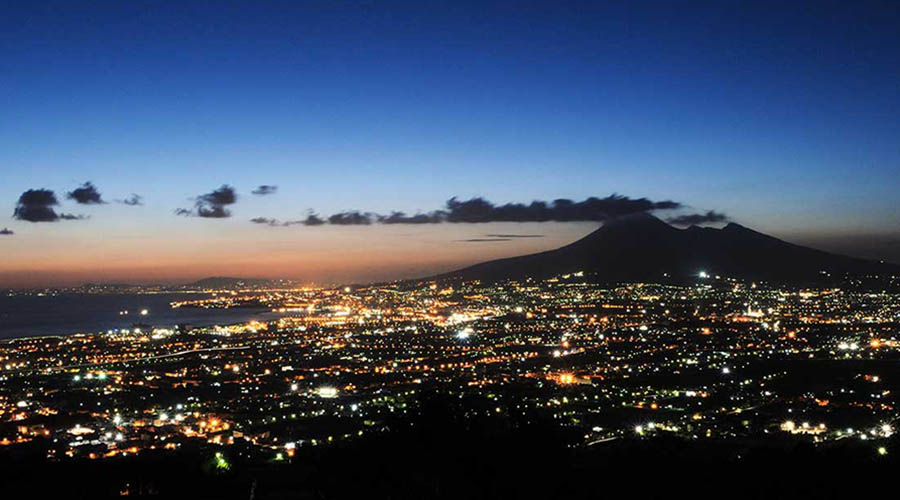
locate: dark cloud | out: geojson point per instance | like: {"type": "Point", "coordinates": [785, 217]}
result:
{"type": "Point", "coordinates": [691, 219]}
{"type": "Point", "coordinates": [514, 235]}
{"type": "Point", "coordinates": [264, 220]}
{"type": "Point", "coordinates": [352, 218]}
{"type": "Point", "coordinates": [87, 194]}
{"type": "Point", "coordinates": [481, 240]}
{"type": "Point", "coordinates": [213, 212]}
{"type": "Point", "coordinates": [402, 218]}
{"type": "Point", "coordinates": [212, 205]}
{"type": "Point", "coordinates": [6, 231]}
{"type": "Point", "coordinates": [313, 219]}
{"type": "Point", "coordinates": [225, 195]}
{"type": "Point", "coordinates": [478, 210]}
{"type": "Point", "coordinates": [133, 201]}
{"type": "Point", "coordinates": [36, 205]}
{"type": "Point", "coordinates": [72, 217]}
{"type": "Point", "coordinates": [264, 190]}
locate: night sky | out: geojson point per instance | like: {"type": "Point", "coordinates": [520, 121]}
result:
{"type": "Point", "coordinates": [784, 118]}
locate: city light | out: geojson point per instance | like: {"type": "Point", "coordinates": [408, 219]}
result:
{"type": "Point", "coordinates": [327, 392]}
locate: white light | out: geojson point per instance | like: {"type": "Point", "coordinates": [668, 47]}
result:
{"type": "Point", "coordinates": [703, 274]}
{"type": "Point", "coordinates": [294, 387]}
{"type": "Point", "coordinates": [464, 333]}
{"type": "Point", "coordinates": [327, 392]}
{"type": "Point", "coordinates": [117, 419]}
{"type": "Point", "coordinates": [639, 429]}
{"type": "Point", "coordinates": [163, 417]}
{"type": "Point", "coordinates": [144, 312]}
{"type": "Point", "coordinates": [726, 370]}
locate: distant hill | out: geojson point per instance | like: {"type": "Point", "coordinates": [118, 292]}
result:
{"type": "Point", "coordinates": [108, 285]}
{"type": "Point", "coordinates": [642, 247]}
{"type": "Point", "coordinates": [225, 282]}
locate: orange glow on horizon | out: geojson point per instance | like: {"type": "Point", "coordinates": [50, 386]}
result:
{"type": "Point", "coordinates": [308, 255]}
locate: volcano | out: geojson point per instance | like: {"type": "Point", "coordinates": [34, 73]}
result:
{"type": "Point", "coordinates": [641, 247]}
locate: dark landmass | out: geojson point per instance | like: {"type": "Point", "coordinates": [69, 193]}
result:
{"type": "Point", "coordinates": [644, 248]}
{"type": "Point", "coordinates": [447, 454]}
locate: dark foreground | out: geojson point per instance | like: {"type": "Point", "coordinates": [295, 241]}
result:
{"type": "Point", "coordinates": [447, 457]}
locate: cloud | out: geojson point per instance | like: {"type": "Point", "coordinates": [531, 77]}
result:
{"type": "Point", "coordinates": [264, 190]}
{"type": "Point", "coordinates": [213, 212]}
{"type": "Point", "coordinates": [6, 232]}
{"type": "Point", "coordinates": [351, 218]}
{"type": "Point", "coordinates": [211, 205]}
{"type": "Point", "coordinates": [133, 201]}
{"type": "Point", "coordinates": [481, 240]}
{"type": "Point", "coordinates": [402, 218]}
{"type": "Point", "coordinates": [87, 194]}
{"type": "Point", "coordinates": [313, 219]}
{"type": "Point", "coordinates": [477, 210]}
{"type": "Point", "coordinates": [72, 217]}
{"type": "Point", "coordinates": [514, 235]}
{"type": "Point", "coordinates": [36, 205]}
{"type": "Point", "coordinates": [691, 219]}
{"type": "Point", "coordinates": [264, 220]}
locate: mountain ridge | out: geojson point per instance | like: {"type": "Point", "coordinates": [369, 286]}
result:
{"type": "Point", "coordinates": [643, 247]}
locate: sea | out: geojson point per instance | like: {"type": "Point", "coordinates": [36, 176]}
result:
{"type": "Point", "coordinates": [65, 314]}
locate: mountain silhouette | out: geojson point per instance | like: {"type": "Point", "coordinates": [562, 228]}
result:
{"type": "Point", "coordinates": [641, 247]}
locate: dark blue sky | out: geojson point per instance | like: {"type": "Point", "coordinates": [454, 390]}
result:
{"type": "Point", "coordinates": [787, 118]}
